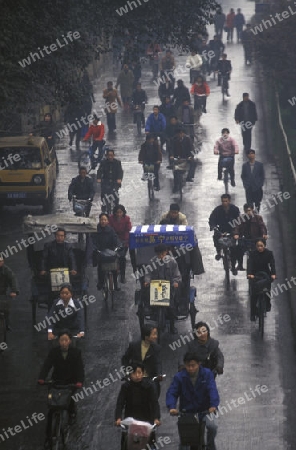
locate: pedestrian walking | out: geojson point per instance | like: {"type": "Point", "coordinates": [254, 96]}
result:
{"type": "Point", "coordinates": [219, 21]}
{"type": "Point", "coordinates": [247, 41]}
{"type": "Point", "coordinates": [229, 25]}
{"type": "Point", "coordinates": [126, 81]}
{"type": "Point", "coordinates": [239, 22]}
{"type": "Point", "coordinates": [246, 115]}
{"type": "Point", "coordinates": [253, 179]}
{"type": "Point", "coordinates": [112, 100]}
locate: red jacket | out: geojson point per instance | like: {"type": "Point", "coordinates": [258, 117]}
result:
{"type": "Point", "coordinates": [95, 131]}
{"type": "Point", "coordinates": [203, 89]}
{"type": "Point", "coordinates": [230, 20]}
{"type": "Point", "coordinates": [121, 227]}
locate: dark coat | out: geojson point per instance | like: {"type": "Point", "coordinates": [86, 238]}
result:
{"type": "Point", "coordinates": [165, 90]}
{"type": "Point", "coordinates": [182, 148]}
{"type": "Point", "coordinates": [65, 371]}
{"type": "Point", "coordinates": [253, 180]}
{"type": "Point", "coordinates": [139, 98]}
{"type": "Point", "coordinates": [69, 320]}
{"type": "Point", "coordinates": [167, 110]}
{"type": "Point", "coordinates": [224, 66]}
{"type": "Point", "coordinates": [52, 258]}
{"type": "Point", "coordinates": [224, 218]}
{"type": "Point", "coordinates": [180, 94]}
{"type": "Point", "coordinates": [109, 172]}
{"type": "Point", "coordinates": [152, 361]}
{"type": "Point", "coordinates": [139, 400]}
{"type": "Point", "coordinates": [251, 227]}
{"type": "Point", "coordinates": [261, 262]}
{"type": "Point", "coordinates": [239, 112]}
{"type": "Point", "coordinates": [7, 280]}
{"type": "Point", "coordinates": [150, 154]}
{"type": "Point", "coordinates": [82, 189]}
{"type": "Point", "coordinates": [196, 263]}
{"type": "Point", "coordinates": [211, 355]}
{"type": "Point", "coordinates": [105, 238]}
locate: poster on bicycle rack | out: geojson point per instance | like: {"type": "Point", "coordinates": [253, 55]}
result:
{"type": "Point", "coordinates": [160, 293]}
{"type": "Point", "coordinates": [59, 276]}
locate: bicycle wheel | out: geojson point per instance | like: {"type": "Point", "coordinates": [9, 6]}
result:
{"type": "Point", "coordinates": [226, 180]}
{"type": "Point", "coordinates": [111, 288]}
{"type": "Point", "coordinates": [85, 161]}
{"type": "Point", "coordinates": [56, 438]}
{"type": "Point", "coordinates": [261, 313]}
{"type": "Point", "coordinates": [139, 123]}
{"type": "Point", "coordinates": [160, 319]}
{"type": "Point", "coordinates": [150, 189]}
{"type": "Point", "coordinates": [105, 290]}
{"type": "Point", "coordinates": [2, 328]}
{"type": "Point", "coordinates": [226, 260]}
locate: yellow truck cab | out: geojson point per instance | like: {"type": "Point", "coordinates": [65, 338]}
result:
{"type": "Point", "coordinates": [28, 171]}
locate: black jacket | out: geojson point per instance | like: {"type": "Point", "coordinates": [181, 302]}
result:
{"type": "Point", "coordinates": [52, 256]}
{"type": "Point", "coordinates": [139, 400]}
{"type": "Point", "coordinates": [239, 112]}
{"type": "Point", "coordinates": [105, 238]}
{"type": "Point", "coordinates": [224, 218]}
{"type": "Point", "coordinates": [180, 94]}
{"type": "Point", "coordinates": [139, 98]}
{"type": "Point", "coordinates": [261, 262]}
{"type": "Point", "coordinates": [82, 189]}
{"type": "Point", "coordinates": [224, 66]}
{"type": "Point", "coordinates": [65, 371]}
{"type": "Point", "coordinates": [253, 180]}
{"type": "Point", "coordinates": [109, 172]}
{"type": "Point", "coordinates": [71, 320]}
{"type": "Point", "coordinates": [7, 280]}
{"type": "Point", "coordinates": [150, 153]}
{"type": "Point", "coordinates": [152, 361]}
{"type": "Point", "coordinates": [211, 355]}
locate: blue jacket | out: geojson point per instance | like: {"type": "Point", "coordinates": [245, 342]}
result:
{"type": "Point", "coordinates": [155, 126]}
{"type": "Point", "coordinates": [196, 398]}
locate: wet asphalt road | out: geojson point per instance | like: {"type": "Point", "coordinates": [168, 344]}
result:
{"type": "Point", "coordinates": [264, 421]}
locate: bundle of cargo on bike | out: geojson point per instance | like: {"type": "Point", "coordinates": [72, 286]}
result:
{"type": "Point", "coordinates": [183, 246]}
{"type": "Point", "coordinates": [40, 231]}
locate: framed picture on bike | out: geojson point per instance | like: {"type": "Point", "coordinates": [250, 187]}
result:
{"type": "Point", "coordinates": [160, 293]}
{"type": "Point", "coordinates": [59, 276]}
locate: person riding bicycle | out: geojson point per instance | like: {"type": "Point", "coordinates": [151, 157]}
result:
{"type": "Point", "coordinates": [261, 260]}
{"type": "Point", "coordinates": [138, 399]}
{"type": "Point", "coordinates": [194, 63]}
{"type": "Point", "coordinates": [181, 93]}
{"type": "Point", "coordinates": [139, 99]}
{"type": "Point", "coordinates": [96, 131]}
{"type": "Point", "coordinates": [195, 388]}
{"type": "Point", "coordinates": [166, 269]}
{"type": "Point", "coordinates": [110, 176]}
{"type": "Point", "coordinates": [250, 229]}
{"type": "Point", "coordinates": [82, 188]}
{"type": "Point", "coordinates": [8, 282]}
{"type": "Point", "coordinates": [200, 90]}
{"type": "Point", "coordinates": [105, 239]}
{"type": "Point", "coordinates": [156, 123]}
{"type": "Point", "coordinates": [67, 364]}
{"type": "Point", "coordinates": [147, 351]}
{"type": "Point", "coordinates": [207, 348]}
{"type": "Point", "coordinates": [58, 253]}
{"type": "Point", "coordinates": [167, 108]}
{"type": "Point", "coordinates": [217, 46]}
{"type": "Point", "coordinates": [227, 148]}
{"type": "Point", "coordinates": [187, 117]}
{"type": "Point", "coordinates": [150, 153]}
{"type": "Point", "coordinates": [173, 216]}
{"type": "Point", "coordinates": [224, 69]}
{"type": "Point", "coordinates": [121, 224]}
{"type": "Point", "coordinates": [182, 148]}
{"type": "Point", "coordinates": [65, 313]}
{"type": "Point", "coordinates": [222, 217]}
{"type": "Point", "coordinates": [166, 89]}
{"type": "Point", "coordinates": [167, 66]}
{"type": "Point", "coordinates": [170, 132]}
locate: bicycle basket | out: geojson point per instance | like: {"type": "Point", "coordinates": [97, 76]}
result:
{"type": "Point", "coordinates": [149, 168]}
{"type": "Point", "coordinates": [107, 256]}
{"type": "Point", "coordinates": [182, 165]}
{"type": "Point", "coordinates": [263, 284]}
{"type": "Point", "coordinates": [59, 398]}
{"type": "Point", "coordinates": [79, 207]}
{"type": "Point", "coordinates": [225, 241]}
{"type": "Point", "coordinates": [189, 429]}
{"type": "Point", "coordinates": [226, 162]}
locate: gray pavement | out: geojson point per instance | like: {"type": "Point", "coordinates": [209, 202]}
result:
{"type": "Point", "coordinates": [265, 419]}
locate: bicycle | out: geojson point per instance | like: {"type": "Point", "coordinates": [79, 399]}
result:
{"type": "Point", "coordinates": [59, 397]}
{"type": "Point", "coordinates": [260, 287]}
{"type": "Point", "coordinates": [224, 85]}
{"type": "Point", "coordinates": [109, 265]}
{"type": "Point", "coordinates": [149, 176]}
{"type": "Point", "coordinates": [225, 164]}
{"type": "Point", "coordinates": [137, 434]}
{"type": "Point", "coordinates": [90, 159]}
{"type": "Point", "coordinates": [138, 116]}
{"type": "Point", "coordinates": [199, 104]}
{"type": "Point", "coordinates": [179, 169]}
{"type": "Point", "coordinates": [191, 428]}
{"type": "Point", "coordinates": [109, 196]}
{"type": "Point", "coordinates": [225, 240]}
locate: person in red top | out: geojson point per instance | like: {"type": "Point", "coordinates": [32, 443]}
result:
{"type": "Point", "coordinates": [201, 90]}
{"type": "Point", "coordinates": [97, 132]}
{"type": "Point", "coordinates": [121, 224]}
{"type": "Point", "coordinates": [229, 24]}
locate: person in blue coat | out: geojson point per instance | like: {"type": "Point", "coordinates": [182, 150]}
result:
{"type": "Point", "coordinates": [156, 123]}
{"type": "Point", "coordinates": [197, 392]}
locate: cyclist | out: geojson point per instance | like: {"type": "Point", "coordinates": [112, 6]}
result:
{"type": "Point", "coordinates": [138, 399]}
{"type": "Point", "coordinates": [121, 224]}
{"type": "Point", "coordinates": [166, 89]}
{"type": "Point", "coordinates": [201, 90]}
{"type": "Point", "coordinates": [207, 348]}
{"type": "Point", "coordinates": [226, 147]}
{"type": "Point", "coordinates": [224, 69]}
{"type": "Point", "coordinates": [58, 254]}
{"type": "Point", "coordinates": [173, 216]}
{"type": "Point", "coordinates": [8, 281]}
{"type": "Point", "coordinates": [181, 93]}
{"type": "Point", "coordinates": [126, 80]}
{"type": "Point", "coordinates": [194, 63]}
{"type": "Point", "coordinates": [69, 313]}
{"type": "Point", "coordinates": [171, 130]}
{"type": "Point", "coordinates": [167, 66]}
{"type": "Point", "coordinates": [167, 108]}
{"type": "Point", "coordinates": [166, 270]}
{"type": "Point", "coordinates": [139, 99]}
{"type": "Point", "coordinates": [150, 153]}
{"type": "Point", "coordinates": [104, 239]}
{"type": "Point", "coordinates": [251, 228]}
{"type": "Point", "coordinates": [261, 260]}
{"type": "Point", "coordinates": [197, 392]}
{"type": "Point", "coordinates": [110, 176]}
{"type": "Point", "coordinates": [112, 100]}
{"type": "Point", "coordinates": [83, 188]}
{"type": "Point", "coordinates": [182, 148]}
{"type": "Point", "coordinates": [147, 351]}
{"type": "Point", "coordinates": [187, 117]}
{"type": "Point", "coordinates": [156, 123]}
{"type": "Point", "coordinates": [223, 216]}
{"type": "Point", "coordinates": [217, 46]}
{"type": "Point", "coordinates": [68, 368]}
{"type": "Point", "coordinates": [96, 131]}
